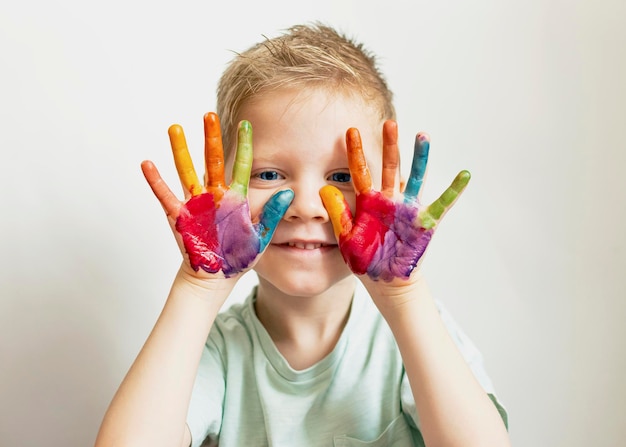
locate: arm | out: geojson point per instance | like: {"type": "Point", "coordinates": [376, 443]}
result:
{"type": "Point", "coordinates": [384, 243]}
{"type": "Point", "coordinates": [150, 406]}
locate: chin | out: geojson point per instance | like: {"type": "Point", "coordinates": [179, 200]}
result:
{"type": "Point", "coordinates": [299, 272]}
{"type": "Point", "coordinates": [302, 283]}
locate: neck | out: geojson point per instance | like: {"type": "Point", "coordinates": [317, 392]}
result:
{"type": "Point", "coordinates": [304, 328]}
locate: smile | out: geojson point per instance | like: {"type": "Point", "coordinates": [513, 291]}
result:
{"type": "Point", "coordinates": [306, 245]}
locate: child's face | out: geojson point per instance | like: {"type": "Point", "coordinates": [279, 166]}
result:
{"type": "Point", "coordinates": [299, 144]}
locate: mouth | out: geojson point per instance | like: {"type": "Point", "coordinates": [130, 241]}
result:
{"type": "Point", "coordinates": [306, 245]}
{"type": "Point", "coordinates": [302, 246]}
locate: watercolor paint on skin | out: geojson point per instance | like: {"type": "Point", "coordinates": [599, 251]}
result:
{"type": "Point", "coordinates": [383, 240]}
{"type": "Point", "coordinates": [223, 237]}
{"type": "Point", "coordinates": [215, 226]}
{"type": "Point", "coordinates": [386, 239]}
{"type": "Point", "coordinates": [218, 237]}
{"type": "Point", "coordinates": [418, 167]}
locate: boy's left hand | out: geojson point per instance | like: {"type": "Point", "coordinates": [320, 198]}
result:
{"type": "Point", "coordinates": [389, 233]}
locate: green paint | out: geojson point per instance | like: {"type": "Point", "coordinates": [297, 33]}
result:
{"type": "Point", "coordinates": [432, 214]}
{"type": "Point", "coordinates": [243, 159]}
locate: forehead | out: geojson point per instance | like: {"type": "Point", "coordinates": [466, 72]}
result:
{"type": "Point", "coordinates": [312, 118]}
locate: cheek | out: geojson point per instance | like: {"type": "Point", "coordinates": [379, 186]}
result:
{"type": "Point", "coordinates": [257, 198]}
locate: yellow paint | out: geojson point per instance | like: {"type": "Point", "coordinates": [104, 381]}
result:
{"type": "Point", "coordinates": [182, 159]}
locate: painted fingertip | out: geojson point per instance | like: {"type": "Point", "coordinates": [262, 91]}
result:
{"type": "Point", "coordinates": [329, 192]}
{"type": "Point", "coordinates": [211, 116]}
{"type": "Point", "coordinates": [212, 124]}
{"type": "Point", "coordinates": [245, 126]}
{"type": "Point", "coordinates": [390, 130]}
{"type": "Point", "coordinates": [276, 207]}
{"type": "Point", "coordinates": [422, 137]}
{"type": "Point", "coordinates": [333, 200]}
{"type": "Point", "coordinates": [284, 198]}
{"type": "Point", "coordinates": [273, 211]}
{"type": "Point", "coordinates": [174, 130]}
{"type": "Point", "coordinates": [390, 124]}
{"type": "Point", "coordinates": [353, 133]}
{"type": "Point", "coordinates": [244, 132]}
{"type": "Point", "coordinates": [462, 179]}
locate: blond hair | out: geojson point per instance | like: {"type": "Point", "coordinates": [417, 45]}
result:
{"type": "Point", "coordinates": [304, 56]}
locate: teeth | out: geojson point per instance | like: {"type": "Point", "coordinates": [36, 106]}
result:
{"type": "Point", "coordinates": [304, 246]}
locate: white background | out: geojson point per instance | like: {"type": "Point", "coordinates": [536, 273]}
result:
{"type": "Point", "coordinates": [529, 96]}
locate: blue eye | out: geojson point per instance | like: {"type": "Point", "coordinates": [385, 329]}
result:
{"type": "Point", "coordinates": [268, 175]}
{"type": "Point", "coordinates": [340, 177]}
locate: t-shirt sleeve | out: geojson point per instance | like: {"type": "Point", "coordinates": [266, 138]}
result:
{"type": "Point", "coordinates": [204, 416]}
{"type": "Point", "coordinates": [472, 356]}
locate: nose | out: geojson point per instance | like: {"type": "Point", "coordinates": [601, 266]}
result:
{"type": "Point", "coordinates": [307, 204]}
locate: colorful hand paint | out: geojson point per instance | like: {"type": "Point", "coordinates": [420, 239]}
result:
{"type": "Point", "coordinates": [215, 226]}
{"type": "Point", "coordinates": [386, 239]}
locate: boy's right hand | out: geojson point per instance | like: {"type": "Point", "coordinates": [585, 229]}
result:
{"type": "Point", "coordinates": [213, 225]}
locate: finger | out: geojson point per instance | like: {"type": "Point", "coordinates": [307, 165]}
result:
{"type": "Point", "coordinates": [418, 167]}
{"type": "Point", "coordinates": [361, 177]}
{"type": "Point", "coordinates": [272, 213]}
{"type": "Point", "coordinates": [163, 193]}
{"type": "Point", "coordinates": [338, 210]}
{"type": "Point", "coordinates": [243, 159]}
{"type": "Point", "coordinates": [213, 156]}
{"type": "Point", "coordinates": [182, 159]}
{"type": "Point", "coordinates": [431, 216]}
{"type": "Point", "coordinates": [391, 157]}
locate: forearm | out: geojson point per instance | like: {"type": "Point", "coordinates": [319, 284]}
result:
{"type": "Point", "coordinates": [151, 404]}
{"type": "Point", "coordinates": [453, 408]}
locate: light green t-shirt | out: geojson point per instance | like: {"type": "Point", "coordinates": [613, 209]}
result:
{"type": "Point", "coordinates": [246, 394]}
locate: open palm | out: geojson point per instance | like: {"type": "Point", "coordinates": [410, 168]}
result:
{"type": "Point", "coordinates": [387, 237]}
{"type": "Point", "coordinates": [214, 225]}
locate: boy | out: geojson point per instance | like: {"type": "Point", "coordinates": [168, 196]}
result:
{"type": "Point", "coordinates": [340, 343]}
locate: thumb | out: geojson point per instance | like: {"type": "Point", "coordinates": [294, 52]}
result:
{"type": "Point", "coordinates": [338, 210]}
{"type": "Point", "coordinates": [273, 211]}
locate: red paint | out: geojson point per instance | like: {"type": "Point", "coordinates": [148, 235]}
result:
{"type": "Point", "coordinates": [374, 215]}
{"type": "Point", "coordinates": [196, 224]}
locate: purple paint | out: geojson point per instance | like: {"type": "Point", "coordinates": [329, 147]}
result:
{"type": "Point", "coordinates": [218, 237]}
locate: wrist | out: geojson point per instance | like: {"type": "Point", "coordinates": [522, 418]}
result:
{"type": "Point", "coordinates": [212, 288]}
{"type": "Point", "coordinates": [399, 296]}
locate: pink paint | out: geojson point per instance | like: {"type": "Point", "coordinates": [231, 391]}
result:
{"type": "Point", "coordinates": [219, 237]}
{"type": "Point", "coordinates": [360, 243]}
{"type": "Point", "coordinates": [385, 240]}
{"type": "Point", "coordinates": [196, 225]}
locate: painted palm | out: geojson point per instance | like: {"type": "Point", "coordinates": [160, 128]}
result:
{"type": "Point", "coordinates": [214, 222]}
{"type": "Point", "coordinates": [386, 237]}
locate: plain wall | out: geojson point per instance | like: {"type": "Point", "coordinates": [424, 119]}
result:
{"type": "Point", "coordinates": [529, 96]}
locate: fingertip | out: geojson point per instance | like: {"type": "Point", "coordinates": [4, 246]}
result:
{"type": "Point", "coordinates": [463, 177]}
{"type": "Point", "coordinates": [211, 117]}
{"type": "Point", "coordinates": [212, 124]}
{"type": "Point", "coordinates": [285, 197]}
{"type": "Point", "coordinates": [147, 166]}
{"type": "Point", "coordinates": [150, 171]}
{"type": "Point", "coordinates": [353, 133]}
{"type": "Point", "coordinates": [390, 131]}
{"type": "Point", "coordinates": [244, 132]}
{"type": "Point", "coordinates": [174, 130]}
{"type": "Point", "coordinates": [422, 137]}
{"type": "Point", "coordinates": [289, 192]}
{"type": "Point", "coordinates": [245, 126]}
{"type": "Point", "coordinates": [329, 191]}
